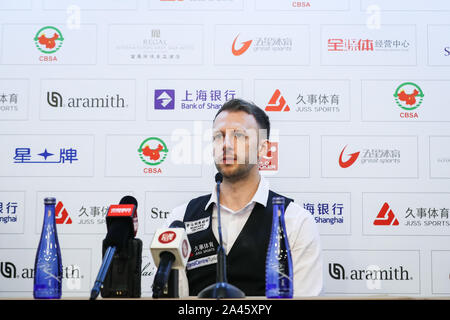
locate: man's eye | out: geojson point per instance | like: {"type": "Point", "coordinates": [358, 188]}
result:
{"type": "Point", "coordinates": [239, 134]}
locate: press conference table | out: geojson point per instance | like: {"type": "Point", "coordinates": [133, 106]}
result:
{"type": "Point", "coordinates": [375, 297]}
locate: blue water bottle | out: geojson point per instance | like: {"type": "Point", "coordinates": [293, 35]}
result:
{"type": "Point", "coordinates": [279, 273]}
{"type": "Point", "coordinates": [47, 266]}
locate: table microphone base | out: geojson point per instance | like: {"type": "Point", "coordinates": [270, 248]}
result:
{"type": "Point", "coordinates": [221, 290]}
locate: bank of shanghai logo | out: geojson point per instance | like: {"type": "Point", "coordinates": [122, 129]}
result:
{"type": "Point", "coordinates": [164, 99]}
{"type": "Point", "coordinates": [349, 159]}
{"type": "Point", "coordinates": [48, 39]}
{"type": "Point", "coordinates": [241, 47]}
{"type": "Point", "coordinates": [385, 217]}
{"type": "Point", "coordinates": [153, 151]}
{"type": "Point", "coordinates": [408, 96]}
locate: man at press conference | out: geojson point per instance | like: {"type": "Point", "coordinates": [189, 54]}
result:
{"type": "Point", "coordinates": [241, 133]}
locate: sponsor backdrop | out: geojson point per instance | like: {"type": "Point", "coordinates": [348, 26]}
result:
{"type": "Point", "coordinates": [99, 99]}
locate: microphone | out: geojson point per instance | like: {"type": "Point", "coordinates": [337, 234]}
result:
{"type": "Point", "coordinates": [221, 289]}
{"type": "Point", "coordinates": [170, 249]}
{"type": "Point", "coordinates": [221, 276]}
{"type": "Point", "coordinates": [132, 200]}
{"type": "Point", "coordinates": [121, 224]}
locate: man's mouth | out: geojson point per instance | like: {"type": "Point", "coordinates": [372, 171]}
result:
{"type": "Point", "coordinates": [229, 159]}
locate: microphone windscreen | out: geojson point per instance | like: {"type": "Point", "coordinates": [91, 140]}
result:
{"type": "Point", "coordinates": [219, 177]}
{"type": "Point", "coordinates": [177, 224]}
{"type": "Point", "coordinates": [118, 234]}
{"type": "Point", "coordinates": [129, 200]}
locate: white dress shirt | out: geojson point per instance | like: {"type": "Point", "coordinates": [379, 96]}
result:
{"type": "Point", "coordinates": [303, 238]}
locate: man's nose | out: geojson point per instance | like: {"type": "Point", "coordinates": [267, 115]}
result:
{"type": "Point", "coordinates": [228, 141]}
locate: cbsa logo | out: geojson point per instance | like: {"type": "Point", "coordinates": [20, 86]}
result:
{"type": "Point", "coordinates": [153, 151]}
{"type": "Point", "coordinates": [48, 40]}
{"type": "Point", "coordinates": [408, 96]}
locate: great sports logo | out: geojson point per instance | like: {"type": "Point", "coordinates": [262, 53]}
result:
{"type": "Point", "coordinates": [240, 49]}
{"type": "Point", "coordinates": [352, 157]}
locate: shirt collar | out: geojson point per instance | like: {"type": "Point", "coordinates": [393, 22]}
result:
{"type": "Point", "coordinates": [261, 195]}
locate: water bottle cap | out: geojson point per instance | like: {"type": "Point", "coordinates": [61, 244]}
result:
{"type": "Point", "coordinates": [50, 200]}
{"type": "Point", "coordinates": [278, 200]}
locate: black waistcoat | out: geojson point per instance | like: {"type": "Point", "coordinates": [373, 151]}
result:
{"type": "Point", "coordinates": [246, 259]}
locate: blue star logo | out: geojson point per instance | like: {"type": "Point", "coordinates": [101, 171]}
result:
{"type": "Point", "coordinates": [45, 154]}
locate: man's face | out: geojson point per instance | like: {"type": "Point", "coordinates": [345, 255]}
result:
{"type": "Point", "coordinates": [235, 140]}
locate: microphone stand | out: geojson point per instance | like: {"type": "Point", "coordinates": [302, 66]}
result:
{"type": "Point", "coordinates": [221, 289]}
{"type": "Point", "coordinates": [109, 254]}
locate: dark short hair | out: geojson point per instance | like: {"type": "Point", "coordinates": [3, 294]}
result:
{"type": "Point", "coordinates": [248, 107]}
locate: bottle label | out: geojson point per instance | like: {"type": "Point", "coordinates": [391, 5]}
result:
{"type": "Point", "coordinates": [280, 269]}
{"type": "Point", "coordinates": [47, 269]}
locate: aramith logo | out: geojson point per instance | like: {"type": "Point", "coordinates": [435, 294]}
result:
{"type": "Point", "coordinates": [8, 270]}
{"type": "Point", "coordinates": [55, 99]}
{"type": "Point", "coordinates": [338, 272]}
